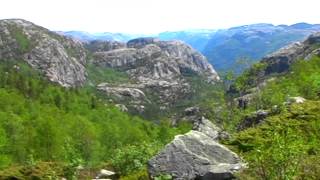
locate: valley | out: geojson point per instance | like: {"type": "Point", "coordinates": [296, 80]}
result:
{"type": "Point", "coordinates": [90, 107]}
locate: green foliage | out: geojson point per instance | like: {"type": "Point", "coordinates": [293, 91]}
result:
{"type": "Point", "coordinates": [41, 122]}
{"type": "Point", "coordinates": [21, 38]}
{"type": "Point", "coordinates": [278, 148]}
{"type": "Point", "coordinates": [303, 80]}
{"type": "Point", "coordinates": [42, 170]}
{"type": "Point", "coordinates": [250, 77]}
{"type": "Point", "coordinates": [164, 177]}
{"type": "Point", "coordinates": [209, 97]}
{"type": "Point", "coordinates": [133, 157]}
{"type": "Point", "coordinates": [138, 175]}
{"type": "Point", "coordinates": [287, 145]}
{"type": "Point", "coordinates": [103, 74]}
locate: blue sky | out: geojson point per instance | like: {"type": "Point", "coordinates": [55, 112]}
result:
{"type": "Point", "coordinates": [153, 16]}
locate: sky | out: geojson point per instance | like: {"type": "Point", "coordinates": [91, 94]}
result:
{"type": "Point", "coordinates": [154, 16]}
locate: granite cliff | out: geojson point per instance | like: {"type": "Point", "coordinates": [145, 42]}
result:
{"type": "Point", "coordinates": [62, 60]}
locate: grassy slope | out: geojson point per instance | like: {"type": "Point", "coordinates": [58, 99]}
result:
{"type": "Point", "coordinates": [287, 145]}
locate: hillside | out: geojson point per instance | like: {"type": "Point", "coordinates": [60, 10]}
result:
{"type": "Point", "coordinates": [159, 75]}
{"type": "Point", "coordinates": [154, 109]}
{"type": "Point", "coordinates": [276, 128]}
{"type": "Point", "coordinates": [279, 126]}
{"type": "Point", "coordinates": [60, 59]}
{"type": "Point", "coordinates": [64, 106]}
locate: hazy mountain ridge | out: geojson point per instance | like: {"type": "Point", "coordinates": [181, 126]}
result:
{"type": "Point", "coordinates": [225, 47]}
{"type": "Point", "coordinates": [252, 42]}
{"type": "Point", "coordinates": [103, 36]}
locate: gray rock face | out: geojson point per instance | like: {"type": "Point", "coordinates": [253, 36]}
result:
{"type": "Point", "coordinates": [100, 46]}
{"type": "Point", "coordinates": [148, 58]}
{"type": "Point", "coordinates": [120, 91]}
{"type": "Point", "coordinates": [133, 94]}
{"type": "Point", "coordinates": [204, 126]}
{"type": "Point", "coordinates": [60, 59]}
{"type": "Point", "coordinates": [158, 68]}
{"type": "Point", "coordinates": [281, 60]}
{"type": "Point", "coordinates": [141, 42]}
{"type": "Point", "coordinates": [195, 155]}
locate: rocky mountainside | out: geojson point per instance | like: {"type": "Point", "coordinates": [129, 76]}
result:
{"type": "Point", "coordinates": [60, 59]}
{"type": "Point", "coordinates": [157, 70]}
{"type": "Point", "coordinates": [225, 47]}
{"type": "Point", "coordinates": [275, 65]}
{"type": "Point", "coordinates": [281, 60]}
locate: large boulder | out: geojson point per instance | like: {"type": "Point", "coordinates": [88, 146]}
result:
{"type": "Point", "coordinates": [195, 155]}
{"type": "Point", "coordinates": [60, 59]}
{"type": "Point", "coordinates": [206, 127]}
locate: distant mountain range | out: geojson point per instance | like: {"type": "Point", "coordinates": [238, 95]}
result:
{"type": "Point", "coordinates": [104, 36]}
{"type": "Point", "coordinates": [252, 42]}
{"type": "Point", "coordinates": [224, 47]}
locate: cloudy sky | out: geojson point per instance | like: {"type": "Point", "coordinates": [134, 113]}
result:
{"type": "Point", "coordinates": [152, 16]}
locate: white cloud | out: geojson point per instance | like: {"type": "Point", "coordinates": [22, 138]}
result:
{"type": "Point", "coordinates": [150, 16]}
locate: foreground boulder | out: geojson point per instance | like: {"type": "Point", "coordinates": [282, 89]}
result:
{"type": "Point", "coordinates": [196, 155]}
{"type": "Point", "coordinates": [205, 126]}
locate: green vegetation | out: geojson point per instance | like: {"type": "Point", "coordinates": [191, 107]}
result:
{"type": "Point", "coordinates": [303, 80]}
{"type": "Point", "coordinates": [104, 74]}
{"type": "Point", "coordinates": [43, 125]}
{"type": "Point", "coordinates": [286, 145]}
{"type": "Point", "coordinates": [250, 78]}
{"type": "Point", "coordinates": [21, 38]}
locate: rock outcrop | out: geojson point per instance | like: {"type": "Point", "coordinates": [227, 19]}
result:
{"type": "Point", "coordinates": [196, 155]}
{"type": "Point", "coordinates": [254, 119]}
{"type": "Point", "coordinates": [148, 59]}
{"type": "Point", "coordinates": [101, 46]}
{"type": "Point", "coordinates": [298, 100]}
{"type": "Point", "coordinates": [105, 175]}
{"type": "Point", "coordinates": [124, 93]}
{"type": "Point", "coordinates": [60, 59]}
{"type": "Point", "coordinates": [281, 60]}
{"type": "Point", "coordinates": [206, 127]}
{"type": "Point", "coordinates": [158, 68]}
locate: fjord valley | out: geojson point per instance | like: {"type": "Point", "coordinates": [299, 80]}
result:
{"type": "Point", "coordinates": [234, 49]}
{"type": "Point", "coordinates": [78, 106]}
